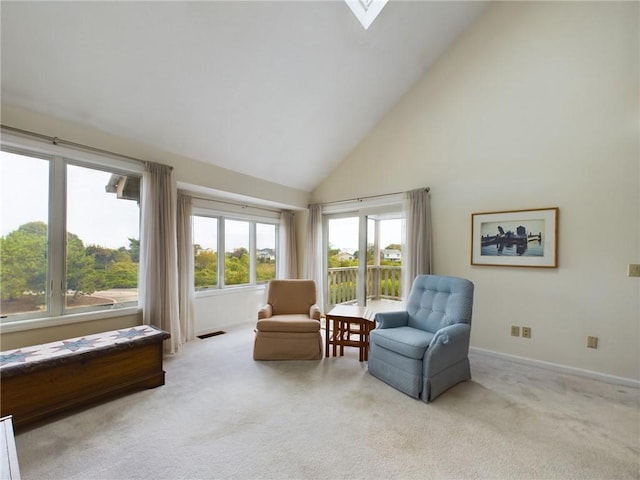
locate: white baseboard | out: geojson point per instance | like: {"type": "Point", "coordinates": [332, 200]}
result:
{"type": "Point", "coordinates": [604, 377]}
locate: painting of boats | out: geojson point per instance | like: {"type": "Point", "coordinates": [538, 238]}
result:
{"type": "Point", "coordinates": [515, 238]}
{"type": "Point", "coordinates": [515, 243]}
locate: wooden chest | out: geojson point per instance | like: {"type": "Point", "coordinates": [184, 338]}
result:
{"type": "Point", "coordinates": [42, 380]}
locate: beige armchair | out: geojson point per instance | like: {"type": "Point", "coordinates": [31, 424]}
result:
{"type": "Point", "coordinates": [288, 325]}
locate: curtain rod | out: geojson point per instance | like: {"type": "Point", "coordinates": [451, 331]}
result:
{"type": "Point", "coordinates": [60, 141]}
{"type": "Point", "coordinates": [359, 199]}
{"type": "Point", "coordinates": [241, 205]}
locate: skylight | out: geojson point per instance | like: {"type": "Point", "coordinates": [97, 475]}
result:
{"type": "Point", "coordinates": [366, 10]}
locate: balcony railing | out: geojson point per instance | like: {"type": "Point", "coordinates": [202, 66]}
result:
{"type": "Point", "coordinates": [383, 282]}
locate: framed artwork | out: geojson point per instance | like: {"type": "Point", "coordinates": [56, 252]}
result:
{"type": "Point", "coordinates": [515, 238]}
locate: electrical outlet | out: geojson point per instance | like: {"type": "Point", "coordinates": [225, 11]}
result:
{"type": "Point", "coordinates": [592, 342]}
{"type": "Point", "coordinates": [633, 270]}
{"type": "Point", "coordinates": [515, 331]}
{"type": "Point", "coordinates": [526, 332]}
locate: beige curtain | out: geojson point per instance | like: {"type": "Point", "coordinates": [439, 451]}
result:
{"type": "Point", "coordinates": [186, 289]}
{"type": "Point", "coordinates": [416, 237]}
{"type": "Point", "coordinates": [287, 253]}
{"type": "Point", "coordinates": [158, 286]}
{"type": "Point", "coordinates": [313, 265]}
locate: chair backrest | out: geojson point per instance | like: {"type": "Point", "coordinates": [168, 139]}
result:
{"type": "Point", "coordinates": [291, 296]}
{"type": "Point", "coordinates": [436, 301]}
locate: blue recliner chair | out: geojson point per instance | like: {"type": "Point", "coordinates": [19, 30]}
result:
{"type": "Point", "coordinates": [423, 351]}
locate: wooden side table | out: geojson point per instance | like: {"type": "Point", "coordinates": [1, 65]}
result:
{"type": "Point", "coordinates": [348, 326]}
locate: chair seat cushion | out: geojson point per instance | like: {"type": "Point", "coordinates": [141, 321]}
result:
{"type": "Point", "coordinates": [295, 323]}
{"type": "Point", "coordinates": [407, 341]}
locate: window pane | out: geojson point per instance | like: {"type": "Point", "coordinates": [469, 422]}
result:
{"type": "Point", "coordinates": [103, 219]}
{"type": "Point", "coordinates": [390, 241]}
{"type": "Point", "coordinates": [390, 259]}
{"type": "Point", "coordinates": [342, 259]}
{"type": "Point", "coordinates": [371, 242]}
{"type": "Point", "coordinates": [205, 250]}
{"type": "Point", "coordinates": [265, 252]}
{"type": "Point", "coordinates": [236, 258]}
{"type": "Point", "coordinates": [24, 195]}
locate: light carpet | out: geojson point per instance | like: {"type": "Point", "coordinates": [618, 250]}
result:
{"type": "Point", "coordinates": [223, 416]}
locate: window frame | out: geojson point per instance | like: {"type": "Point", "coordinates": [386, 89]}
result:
{"type": "Point", "coordinates": [59, 157]}
{"type": "Point", "coordinates": [212, 209]}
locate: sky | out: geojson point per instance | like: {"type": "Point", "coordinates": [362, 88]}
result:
{"type": "Point", "coordinates": [23, 191]}
{"type": "Point", "coordinates": [343, 233]}
{"type": "Point", "coordinates": [97, 217]}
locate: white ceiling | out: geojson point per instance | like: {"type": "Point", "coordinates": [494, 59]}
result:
{"type": "Point", "coordinates": [278, 90]}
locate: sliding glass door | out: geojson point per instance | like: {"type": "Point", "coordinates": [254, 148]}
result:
{"type": "Point", "coordinates": [363, 257]}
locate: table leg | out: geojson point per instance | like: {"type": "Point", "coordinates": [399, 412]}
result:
{"type": "Point", "coordinates": [335, 335]}
{"type": "Point", "coordinates": [346, 324]}
{"type": "Point", "coordinates": [326, 336]}
{"type": "Point", "coordinates": [366, 327]}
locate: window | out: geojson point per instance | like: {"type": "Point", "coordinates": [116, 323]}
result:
{"type": "Point", "coordinates": [248, 247]}
{"type": "Point", "coordinates": [69, 235]}
{"type": "Point", "coordinates": [102, 238]}
{"type": "Point", "coordinates": [24, 186]}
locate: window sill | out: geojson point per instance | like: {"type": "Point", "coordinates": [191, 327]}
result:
{"type": "Point", "coordinates": [214, 292]}
{"type": "Point", "coordinates": [34, 323]}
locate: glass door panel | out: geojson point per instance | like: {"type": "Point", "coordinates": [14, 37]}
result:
{"type": "Point", "coordinates": [390, 257]}
{"type": "Point", "coordinates": [342, 260]}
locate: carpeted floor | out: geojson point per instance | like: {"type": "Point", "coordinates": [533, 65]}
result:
{"type": "Point", "coordinates": [223, 416]}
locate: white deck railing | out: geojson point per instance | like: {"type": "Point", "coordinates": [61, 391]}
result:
{"type": "Point", "coordinates": [383, 282]}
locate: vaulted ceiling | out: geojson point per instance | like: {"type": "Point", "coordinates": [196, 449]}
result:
{"type": "Point", "coordinates": [279, 90]}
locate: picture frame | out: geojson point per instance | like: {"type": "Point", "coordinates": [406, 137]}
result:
{"type": "Point", "coordinates": [515, 238]}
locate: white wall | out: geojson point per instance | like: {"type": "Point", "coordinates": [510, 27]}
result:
{"type": "Point", "coordinates": [537, 105]}
{"type": "Point", "coordinates": [222, 310]}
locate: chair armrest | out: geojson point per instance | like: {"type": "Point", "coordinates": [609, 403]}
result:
{"type": "Point", "coordinates": [314, 312]}
{"type": "Point", "coordinates": [392, 319]}
{"type": "Point", "coordinates": [451, 334]}
{"type": "Point", "coordinates": [448, 346]}
{"type": "Point", "coordinates": [265, 312]}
